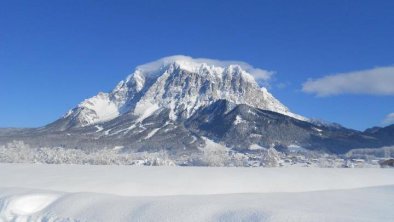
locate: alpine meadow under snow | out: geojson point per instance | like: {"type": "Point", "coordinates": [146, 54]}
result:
{"type": "Point", "coordinates": [71, 193]}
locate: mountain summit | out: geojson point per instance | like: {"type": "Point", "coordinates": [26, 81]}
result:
{"type": "Point", "coordinates": [178, 83]}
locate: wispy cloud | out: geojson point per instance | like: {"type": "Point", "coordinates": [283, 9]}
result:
{"type": "Point", "coordinates": [376, 81]}
{"type": "Point", "coordinates": [282, 85]}
{"type": "Point", "coordinates": [389, 119]}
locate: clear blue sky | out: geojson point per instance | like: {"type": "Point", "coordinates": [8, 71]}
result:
{"type": "Point", "coordinates": [54, 54]}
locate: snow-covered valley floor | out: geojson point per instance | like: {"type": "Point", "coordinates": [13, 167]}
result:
{"type": "Point", "coordinates": [37, 192]}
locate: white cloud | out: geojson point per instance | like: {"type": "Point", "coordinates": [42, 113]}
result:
{"type": "Point", "coordinates": [282, 85]}
{"type": "Point", "coordinates": [257, 73]}
{"type": "Point", "coordinates": [389, 119]}
{"type": "Point", "coordinates": [376, 81]}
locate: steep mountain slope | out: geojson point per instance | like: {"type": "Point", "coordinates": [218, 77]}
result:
{"type": "Point", "coordinates": [384, 134]}
{"type": "Point", "coordinates": [242, 126]}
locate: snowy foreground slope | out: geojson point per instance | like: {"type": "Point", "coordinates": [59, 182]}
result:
{"type": "Point", "coordinates": [31, 192]}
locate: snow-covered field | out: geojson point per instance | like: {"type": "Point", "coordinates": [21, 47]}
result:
{"type": "Point", "coordinates": [38, 192]}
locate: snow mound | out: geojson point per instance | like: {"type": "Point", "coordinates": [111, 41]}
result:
{"type": "Point", "coordinates": [23, 206]}
{"type": "Point", "coordinates": [366, 205]}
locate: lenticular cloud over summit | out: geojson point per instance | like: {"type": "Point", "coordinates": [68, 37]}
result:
{"type": "Point", "coordinates": [257, 73]}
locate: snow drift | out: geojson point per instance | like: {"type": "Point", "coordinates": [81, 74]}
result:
{"type": "Point", "coordinates": [73, 193]}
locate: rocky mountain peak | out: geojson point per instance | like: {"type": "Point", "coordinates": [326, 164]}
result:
{"type": "Point", "coordinates": [181, 84]}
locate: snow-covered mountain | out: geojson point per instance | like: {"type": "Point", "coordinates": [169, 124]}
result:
{"type": "Point", "coordinates": [189, 107]}
{"type": "Point", "coordinates": [181, 84]}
